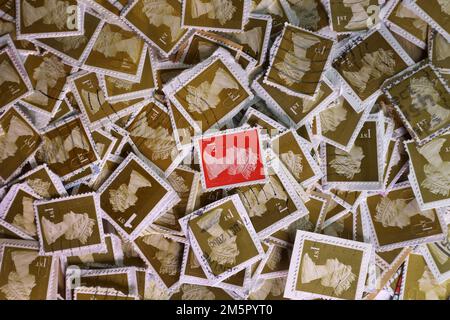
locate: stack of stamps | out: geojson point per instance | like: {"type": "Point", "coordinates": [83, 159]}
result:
{"type": "Point", "coordinates": [224, 149]}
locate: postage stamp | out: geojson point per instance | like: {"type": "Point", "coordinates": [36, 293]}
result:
{"type": "Point", "coordinates": [276, 263]}
{"type": "Point", "coordinates": [73, 49]}
{"type": "Point", "coordinates": [419, 283]}
{"type": "Point", "coordinates": [298, 60]}
{"type": "Point", "coordinates": [202, 44]}
{"type": "Point", "coordinates": [421, 98]}
{"type": "Point", "coordinates": [70, 225]}
{"type": "Point", "coordinates": [437, 255]}
{"type": "Point", "coordinates": [19, 142]}
{"type": "Point", "coordinates": [116, 89]}
{"type": "Point", "coordinates": [428, 171]}
{"type": "Point", "coordinates": [192, 273]}
{"type": "Point", "coordinates": [210, 93]}
{"type": "Point", "coordinates": [93, 103]}
{"type": "Point", "coordinates": [294, 154]}
{"type": "Point", "coordinates": [48, 74]}
{"type": "Point", "coordinates": [222, 238]}
{"type": "Point", "coordinates": [317, 207]}
{"type": "Point", "coordinates": [163, 255]}
{"type": "Point", "coordinates": [44, 182]}
{"type": "Point", "coordinates": [403, 21]}
{"type": "Point", "coordinates": [38, 19]}
{"type": "Point", "coordinates": [268, 127]}
{"type": "Point", "coordinates": [112, 255]}
{"type": "Point", "coordinates": [292, 109]}
{"type": "Point", "coordinates": [434, 12]}
{"type": "Point", "coordinates": [14, 80]}
{"type": "Point", "coordinates": [224, 15]}
{"type": "Point", "coordinates": [104, 143]}
{"type": "Point", "coordinates": [396, 220]}
{"type": "Point", "coordinates": [352, 16]}
{"type": "Point", "coordinates": [327, 267]}
{"type": "Point", "coordinates": [362, 167]}
{"type": "Point", "coordinates": [119, 279]}
{"type": "Point", "coordinates": [151, 134]}
{"type": "Point", "coordinates": [268, 289]}
{"type": "Point", "coordinates": [439, 51]}
{"type": "Point", "coordinates": [159, 22]}
{"type": "Point", "coordinates": [133, 196]}
{"type": "Point", "coordinates": [185, 182]}
{"type": "Point", "coordinates": [340, 124]}
{"type": "Point", "coordinates": [231, 158]}
{"type": "Point", "coordinates": [17, 209]}
{"type": "Point", "coordinates": [24, 274]}
{"type": "Point", "coordinates": [67, 147]}
{"type": "Point", "coordinates": [10, 231]}
{"type": "Point", "coordinates": [272, 205]}
{"type": "Point", "coordinates": [117, 52]}
{"type": "Point", "coordinates": [255, 37]}
{"type": "Point", "coordinates": [365, 63]}
{"type": "Point", "coordinates": [310, 15]}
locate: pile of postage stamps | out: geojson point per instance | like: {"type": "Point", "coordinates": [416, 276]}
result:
{"type": "Point", "coordinates": [224, 149]}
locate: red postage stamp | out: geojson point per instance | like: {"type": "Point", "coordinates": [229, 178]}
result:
{"type": "Point", "coordinates": [231, 158]}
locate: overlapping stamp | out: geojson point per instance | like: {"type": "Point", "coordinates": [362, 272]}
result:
{"type": "Point", "coordinates": [353, 15]}
{"type": "Point", "coordinates": [133, 196]}
{"type": "Point", "coordinates": [17, 209]}
{"type": "Point", "coordinates": [117, 52]}
{"type": "Point", "coordinates": [397, 221]}
{"type": "Point", "coordinates": [272, 205]}
{"type": "Point", "coordinates": [159, 22]}
{"type": "Point", "coordinates": [19, 142]}
{"type": "Point", "coordinates": [50, 19]}
{"type": "Point", "coordinates": [362, 167]}
{"type": "Point", "coordinates": [419, 283]}
{"type": "Point", "coordinates": [292, 109]}
{"type": "Point", "coordinates": [14, 80]}
{"type": "Point", "coordinates": [421, 97]}
{"type": "Point", "coordinates": [67, 147]}
{"type": "Point", "coordinates": [365, 63]}
{"type": "Point", "coordinates": [73, 49]}
{"type": "Point", "coordinates": [435, 13]}
{"type": "Point", "coordinates": [163, 255]}
{"type": "Point", "coordinates": [327, 267]}
{"type": "Point", "coordinates": [223, 15]}
{"type": "Point", "coordinates": [402, 20]}
{"type": "Point", "coordinates": [24, 273]}
{"type": "Point", "coordinates": [428, 172]}
{"type": "Point", "coordinates": [210, 93]}
{"type": "Point", "coordinates": [222, 238]}
{"type": "Point", "coordinates": [71, 225]}
{"type": "Point", "coordinates": [151, 134]}
{"type": "Point", "coordinates": [298, 60]}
